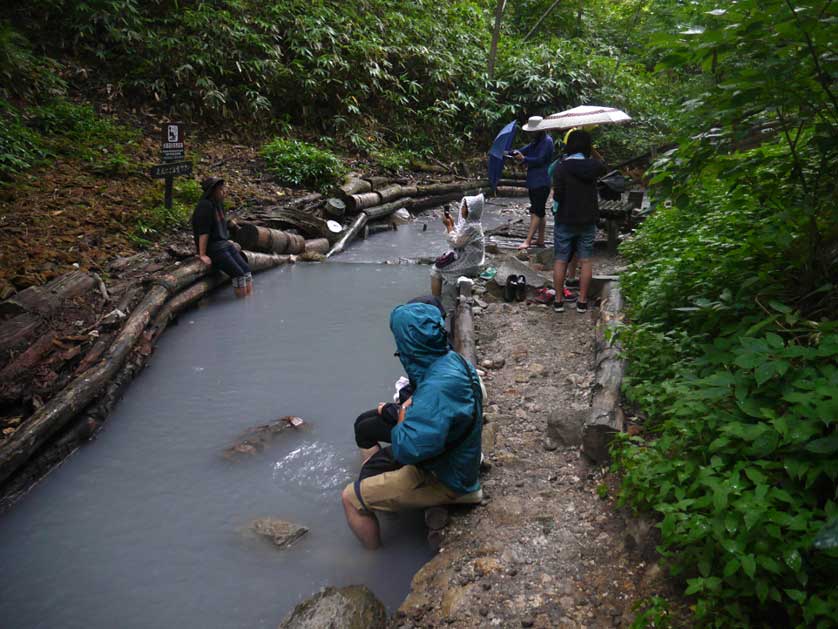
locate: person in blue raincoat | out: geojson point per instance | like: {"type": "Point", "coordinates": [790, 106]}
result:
{"type": "Point", "coordinates": [434, 457]}
{"type": "Point", "coordinates": [537, 155]}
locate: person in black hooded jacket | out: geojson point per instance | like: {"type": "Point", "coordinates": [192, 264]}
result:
{"type": "Point", "coordinates": [576, 210]}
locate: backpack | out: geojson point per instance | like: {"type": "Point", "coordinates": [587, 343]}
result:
{"type": "Point", "coordinates": [611, 186]}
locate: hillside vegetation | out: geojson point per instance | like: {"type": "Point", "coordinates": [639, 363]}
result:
{"type": "Point", "coordinates": [731, 336]}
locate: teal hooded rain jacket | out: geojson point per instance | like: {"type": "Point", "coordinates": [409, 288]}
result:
{"type": "Point", "coordinates": [443, 401]}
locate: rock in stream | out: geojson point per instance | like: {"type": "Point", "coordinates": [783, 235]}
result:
{"type": "Point", "coordinates": [352, 607]}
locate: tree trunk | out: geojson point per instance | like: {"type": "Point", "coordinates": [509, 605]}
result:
{"type": "Point", "coordinates": [464, 322]}
{"type": "Point", "coordinates": [318, 245]}
{"type": "Point", "coordinates": [606, 416]}
{"type": "Point", "coordinates": [308, 223]}
{"type": "Point", "coordinates": [386, 209]}
{"type": "Point", "coordinates": [541, 19]}
{"type": "Point", "coordinates": [493, 51]}
{"type": "Point", "coordinates": [446, 188]}
{"type": "Point", "coordinates": [354, 185]}
{"type": "Point", "coordinates": [349, 235]}
{"type": "Point", "coordinates": [358, 202]}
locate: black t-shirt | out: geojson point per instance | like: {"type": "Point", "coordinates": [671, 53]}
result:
{"type": "Point", "coordinates": [208, 218]}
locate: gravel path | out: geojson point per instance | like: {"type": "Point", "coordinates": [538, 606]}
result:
{"type": "Point", "coordinates": [548, 548]}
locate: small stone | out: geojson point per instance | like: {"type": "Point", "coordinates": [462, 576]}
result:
{"type": "Point", "coordinates": [549, 445]}
{"type": "Point", "coordinates": [484, 611]}
{"type": "Point", "coordinates": [512, 572]}
{"type": "Point", "coordinates": [280, 532]}
{"type": "Point", "coordinates": [487, 586]}
{"type": "Point", "coordinates": [527, 622]}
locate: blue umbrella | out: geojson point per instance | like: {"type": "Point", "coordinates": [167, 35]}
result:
{"type": "Point", "coordinates": [503, 142]}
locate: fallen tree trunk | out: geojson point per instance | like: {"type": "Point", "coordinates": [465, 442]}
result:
{"type": "Point", "coordinates": [349, 235]}
{"type": "Point", "coordinates": [464, 322]}
{"type": "Point", "coordinates": [395, 191]}
{"type": "Point", "coordinates": [386, 209]}
{"type": "Point", "coordinates": [266, 240]}
{"type": "Point", "coordinates": [446, 188]}
{"type": "Point", "coordinates": [513, 183]}
{"type": "Point", "coordinates": [606, 417]}
{"type": "Point", "coordinates": [309, 224]}
{"type": "Point", "coordinates": [318, 245]}
{"type": "Point", "coordinates": [354, 185]}
{"type": "Point", "coordinates": [358, 202]}
{"type": "Point", "coordinates": [507, 191]}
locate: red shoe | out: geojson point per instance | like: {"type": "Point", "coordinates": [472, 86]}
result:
{"type": "Point", "coordinates": [569, 295]}
{"type": "Point", "coordinates": [544, 296]}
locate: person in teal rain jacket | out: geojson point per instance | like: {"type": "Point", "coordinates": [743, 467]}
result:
{"type": "Point", "coordinates": [434, 458]}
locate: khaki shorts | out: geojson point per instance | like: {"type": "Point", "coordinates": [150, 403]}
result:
{"type": "Point", "coordinates": [405, 488]}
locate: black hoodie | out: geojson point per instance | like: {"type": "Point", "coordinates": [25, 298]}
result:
{"type": "Point", "coordinates": [574, 187]}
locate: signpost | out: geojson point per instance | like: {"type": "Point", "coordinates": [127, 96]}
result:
{"type": "Point", "coordinates": [173, 151]}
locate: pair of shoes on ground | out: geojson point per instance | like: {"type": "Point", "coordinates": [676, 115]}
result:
{"type": "Point", "coordinates": [515, 288]}
{"type": "Point", "coordinates": [548, 295]}
{"type": "Point", "coordinates": [581, 306]}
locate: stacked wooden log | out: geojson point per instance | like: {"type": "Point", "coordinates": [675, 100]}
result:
{"type": "Point", "coordinates": [168, 293]}
{"type": "Point", "coordinates": [606, 418]}
{"type": "Point", "coordinates": [266, 240]}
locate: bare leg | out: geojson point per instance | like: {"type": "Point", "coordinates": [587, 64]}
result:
{"type": "Point", "coordinates": [368, 453]}
{"type": "Point", "coordinates": [533, 227]}
{"type": "Point", "coordinates": [436, 286]}
{"type": "Point", "coordinates": [572, 267]}
{"type": "Point", "coordinates": [240, 291]}
{"type": "Point", "coordinates": [248, 287]}
{"type": "Point", "coordinates": [559, 270]}
{"type": "Point", "coordinates": [542, 228]}
{"type": "Point", "coordinates": [585, 279]}
{"type": "Point", "coordinates": [364, 525]}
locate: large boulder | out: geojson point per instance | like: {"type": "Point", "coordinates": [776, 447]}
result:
{"type": "Point", "coordinates": [352, 607]}
{"type": "Point", "coordinates": [564, 427]}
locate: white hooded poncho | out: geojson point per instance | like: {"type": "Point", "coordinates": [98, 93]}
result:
{"type": "Point", "coordinates": [466, 239]}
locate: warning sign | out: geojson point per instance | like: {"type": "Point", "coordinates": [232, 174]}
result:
{"type": "Point", "coordinates": [173, 145]}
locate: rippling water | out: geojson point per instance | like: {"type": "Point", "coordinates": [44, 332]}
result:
{"type": "Point", "coordinates": [144, 528]}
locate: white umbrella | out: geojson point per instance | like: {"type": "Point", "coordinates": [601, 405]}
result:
{"type": "Point", "coordinates": [583, 116]}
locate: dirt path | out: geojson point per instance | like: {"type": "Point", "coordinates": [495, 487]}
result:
{"type": "Point", "coordinates": [548, 548]}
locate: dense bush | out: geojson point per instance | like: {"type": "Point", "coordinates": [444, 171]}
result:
{"type": "Point", "coordinates": [297, 163]}
{"type": "Point", "coordinates": [20, 147]}
{"type": "Point", "coordinates": [377, 73]}
{"type": "Point", "coordinates": [733, 340]}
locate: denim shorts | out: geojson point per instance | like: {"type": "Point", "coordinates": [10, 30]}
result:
{"type": "Point", "coordinates": [570, 239]}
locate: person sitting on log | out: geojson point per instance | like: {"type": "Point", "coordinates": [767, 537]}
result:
{"type": "Point", "coordinates": [212, 239]}
{"type": "Point", "coordinates": [373, 427]}
{"type": "Point", "coordinates": [434, 457]}
{"type": "Point", "coordinates": [468, 245]}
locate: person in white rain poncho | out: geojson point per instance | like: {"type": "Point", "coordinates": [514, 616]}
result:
{"type": "Point", "coordinates": [466, 256]}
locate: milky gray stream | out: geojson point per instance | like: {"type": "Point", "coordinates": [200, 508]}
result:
{"type": "Point", "coordinates": [143, 528]}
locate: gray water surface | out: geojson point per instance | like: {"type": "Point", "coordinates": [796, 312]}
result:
{"type": "Point", "coordinates": [144, 527]}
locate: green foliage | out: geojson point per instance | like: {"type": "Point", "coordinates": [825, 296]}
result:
{"type": "Point", "coordinates": [24, 74]}
{"type": "Point", "coordinates": [156, 219]}
{"type": "Point", "coordinates": [395, 160]}
{"type": "Point", "coordinates": [651, 612]}
{"type": "Point", "coordinates": [297, 163]}
{"type": "Point", "coordinates": [20, 147]}
{"type": "Point", "coordinates": [733, 342]}
{"type": "Point", "coordinates": [384, 72]}
{"type": "Point", "coordinates": [76, 130]}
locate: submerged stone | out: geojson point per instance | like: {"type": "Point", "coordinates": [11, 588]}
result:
{"type": "Point", "coordinates": [281, 532]}
{"type": "Point", "coordinates": [352, 607]}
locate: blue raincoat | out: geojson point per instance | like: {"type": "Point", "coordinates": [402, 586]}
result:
{"type": "Point", "coordinates": [443, 401]}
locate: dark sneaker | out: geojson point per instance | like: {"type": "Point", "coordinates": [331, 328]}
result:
{"type": "Point", "coordinates": [581, 306]}
{"type": "Point", "coordinates": [521, 290]}
{"type": "Point", "coordinates": [511, 288]}
{"type": "Point", "coordinates": [572, 283]}
{"type": "Point", "coordinates": [569, 295]}
{"type": "Point", "coordinates": [558, 306]}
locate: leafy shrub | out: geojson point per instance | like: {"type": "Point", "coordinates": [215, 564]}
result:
{"type": "Point", "coordinates": [76, 130]}
{"type": "Point", "coordinates": [394, 160]}
{"type": "Point", "coordinates": [24, 74]}
{"type": "Point", "coordinates": [156, 219]}
{"type": "Point", "coordinates": [20, 147]}
{"type": "Point", "coordinates": [297, 163]}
